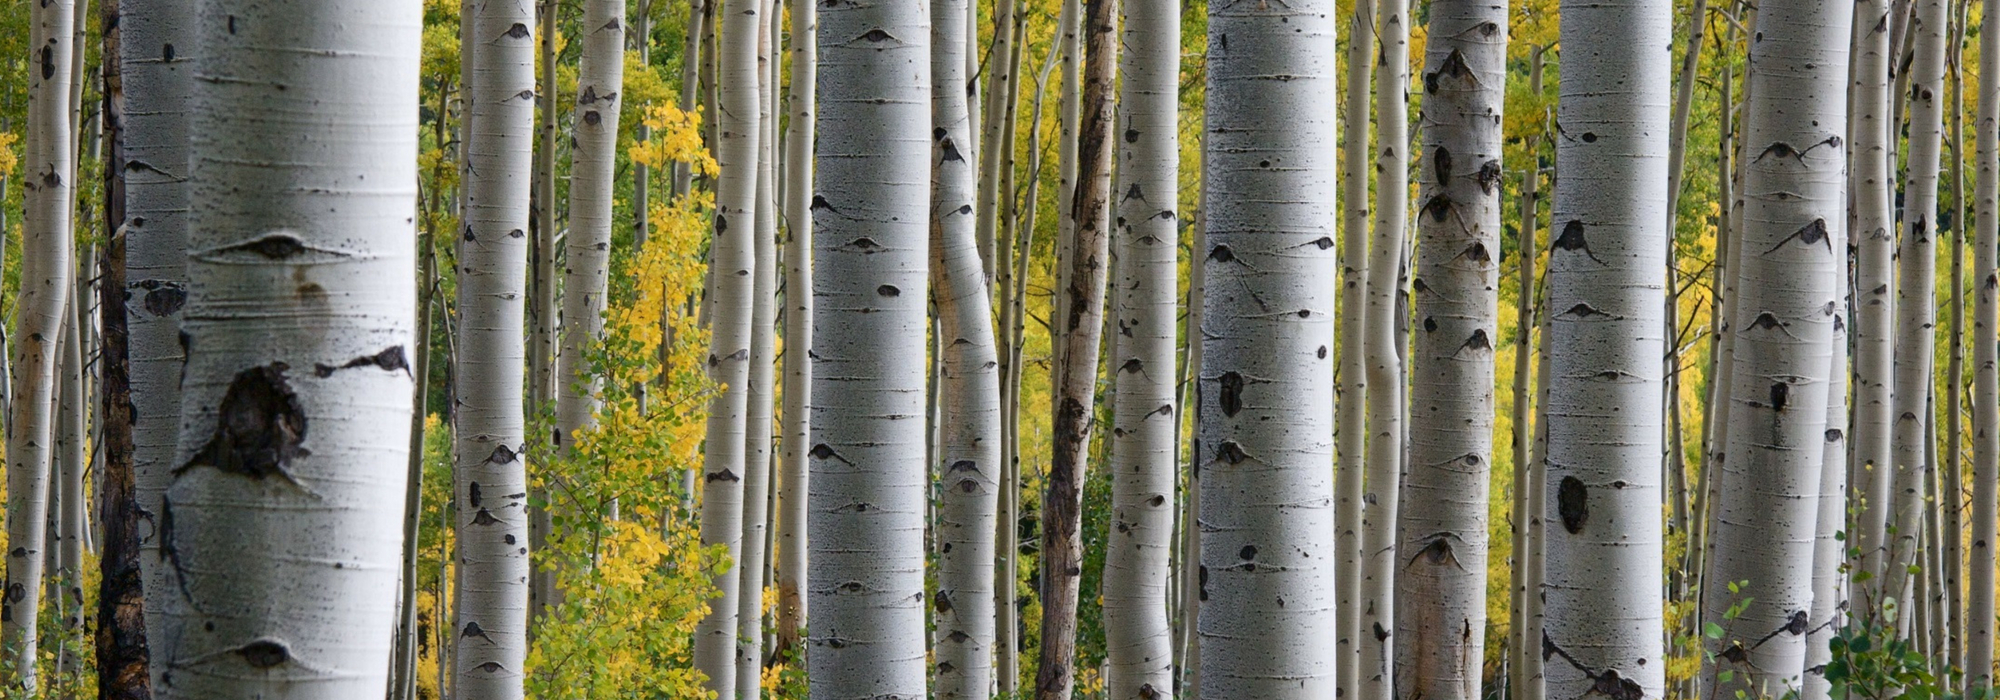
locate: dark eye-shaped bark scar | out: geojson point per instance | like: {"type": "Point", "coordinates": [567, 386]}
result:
{"type": "Point", "coordinates": [163, 297]}
{"type": "Point", "coordinates": [390, 359]}
{"type": "Point", "coordinates": [1573, 503]}
{"type": "Point", "coordinates": [1606, 682]}
{"type": "Point", "coordinates": [876, 36]}
{"type": "Point", "coordinates": [1437, 550]}
{"type": "Point", "coordinates": [259, 429]}
{"type": "Point", "coordinates": [1134, 192]}
{"type": "Point", "coordinates": [1811, 234]}
{"type": "Point", "coordinates": [1478, 343]}
{"type": "Point", "coordinates": [1586, 311]}
{"type": "Point", "coordinates": [948, 151]}
{"type": "Point", "coordinates": [1766, 321]}
{"type": "Point", "coordinates": [1453, 66]}
{"type": "Point", "coordinates": [1781, 149]}
{"type": "Point", "coordinates": [1572, 239]}
{"type": "Point", "coordinates": [276, 246]}
{"type": "Point", "coordinates": [825, 451]}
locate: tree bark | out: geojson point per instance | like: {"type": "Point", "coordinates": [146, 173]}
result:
{"type": "Point", "coordinates": [1443, 522]}
{"type": "Point", "coordinates": [1979, 612]}
{"type": "Point", "coordinates": [762, 377]}
{"type": "Point", "coordinates": [1270, 187]}
{"type": "Point", "coordinates": [48, 164]}
{"type": "Point", "coordinates": [1351, 410]}
{"type": "Point", "coordinates": [587, 248]}
{"type": "Point", "coordinates": [792, 468]}
{"type": "Point", "coordinates": [282, 520]}
{"type": "Point", "coordinates": [1603, 628]}
{"type": "Point", "coordinates": [1078, 327]}
{"type": "Point", "coordinates": [1382, 345]}
{"type": "Point", "coordinates": [1768, 496]}
{"type": "Point", "coordinates": [545, 591]}
{"type": "Point", "coordinates": [1875, 241]}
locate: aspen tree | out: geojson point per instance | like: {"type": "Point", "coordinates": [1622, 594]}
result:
{"type": "Point", "coordinates": [762, 378]}
{"type": "Point", "coordinates": [732, 285]}
{"type": "Point", "coordinates": [283, 517]}
{"type": "Point", "coordinates": [587, 248]}
{"type": "Point", "coordinates": [1768, 495]}
{"type": "Point", "coordinates": [47, 165]}
{"type": "Point", "coordinates": [1874, 238]}
{"type": "Point", "coordinates": [1138, 633]}
{"type": "Point", "coordinates": [491, 451]}
{"type": "Point", "coordinates": [1383, 347]}
{"type": "Point", "coordinates": [1602, 628]}
{"type": "Point", "coordinates": [1270, 186]}
{"type": "Point", "coordinates": [790, 520]}
{"type": "Point", "coordinates": [1979, 612]}
{"type": "Point", "coordinates": [969, 385]}
{"type": "Point", "coordinates": [158, 91]}
{"type": "Point", "coordinates": [1351, 410]}
{"type": "Point", "coordinates": [870, 199]}
{"type": "Point", "coordinates": [1915, 311]}
{"type": "Point", "coordinates": [1442, 529]}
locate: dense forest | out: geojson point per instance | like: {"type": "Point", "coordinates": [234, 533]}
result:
{"type": "Point", "coordinates": [1050, 349]}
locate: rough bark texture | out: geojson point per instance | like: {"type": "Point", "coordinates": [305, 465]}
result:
{"type": "Point", "coordinates": [1602, 630]}
{"type": "Point", "coordinates": [969, 384]}
{"type": "Point", "coordinates": [1138, 634]}
{"type": "Point", "coordinates": [871, 197]}
{"type": "Point", "coordinates": [1986, 370]}
{"type": "Point", "coordinates": [1875, 242]}
{"type": "Point", "coordinates": [47, 164]}
{"type": "Point", "coordinates": [1265, 413]}
{"type": "Point", "coordinates": [791, 517]}
{"type": "Point", "coordinates": [1768, 495]}
{"type": "Point", "coordinates": [1443, 527]}
{"type": "Point", "coordinates": [731, 283]}
{"type": "Point", "coordinates": [122, 659]}
{"type": "Point", "coordinates": [1351, 411]}
{"type": "Point", "coordinates": [1916, 310]}
{"type": "Point", "coordinates": [1384, 349]}
{"type": "Point", "coordinates": [283, 517]}
{"type": "Point", "coordinates": [1078, 328]}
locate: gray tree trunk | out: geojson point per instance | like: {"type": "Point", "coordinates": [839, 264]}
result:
{"type": "Point", "coordinates": [1384, 350]}
{"type": "Point", "coordinates": [1351, 410]}
{"type": "Point", "coordinates": [1873, 235]}
{"type": "Point", "coordinates": [1979, 612]}
{"type": "Point", "coordinates": [790, 520]}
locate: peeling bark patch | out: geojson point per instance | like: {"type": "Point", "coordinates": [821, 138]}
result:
{"type": "Point", "coordinates": [264, 653]}
{"type": "Point", "coordinates": [391, 359]}
{"type": "Point", "coordinates": [259, 429]}
{"type": "Point", "coordinates": [1572, 503]}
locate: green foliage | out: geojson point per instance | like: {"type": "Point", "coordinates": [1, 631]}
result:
{"type": "Point", "coordinates": [1871, 663]}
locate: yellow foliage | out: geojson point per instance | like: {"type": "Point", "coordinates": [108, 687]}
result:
{"type": "Point", "coordinates": [676, 138]}
{"type": "Point", "coordinates": [7, 158]}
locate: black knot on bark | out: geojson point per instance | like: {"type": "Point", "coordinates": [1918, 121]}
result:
{"type": "Point", "coordinates": [1572, 502]}
{"type": "Point", "coordinates": [260, 428]}
{"type": "Point", "coordinates": [264, 653]}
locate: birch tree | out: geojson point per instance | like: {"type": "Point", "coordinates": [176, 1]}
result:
{"type": "Point", "coordinates": [1602, 627]}
{"type": "Point", "coordinates": [492, 476]}
{"type": "Point", "coordinates": [1384, 351]}
{"type": "Point", "coordinates": [1986, 370]}
{"type": "Point", "coordinates": [1270, 184]}
{"type": "Point", "coordinates": [1443, 525]}
{"type": "Point", "coordinates": [762, 376]}
{"type": "Point", "coordinates": [1874, 156]}
{"type": "Point", "coordinates": [732, 282]}
{"type": "Point", "coordinates": [1768, 496]}
{"type": "Point", "coordinates": [1351, 410]}
{"type": "Point", "coordinates": [1916, 313]}
{"type": "Point", "coordinates": [969, 445]}
{"type": "Point", "coordinates": [158, 88]}
{"type": "Point", "coordinates": [792, 471]}
{"type": "Point", "coordinates": [869, 211]}
{"type": "Point", "coordinates": [283, 518]}
{"type": "Point", "coordinates": [1138, 635]}
{"type": "Point", "coordinates": [47, 164]}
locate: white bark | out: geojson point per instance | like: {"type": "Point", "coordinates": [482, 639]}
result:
{"type": "Point", "coordinates": [1768, 494]}
{"type": "Point", "coordinates": [1873, 173]}
{"type": "Point", "coordinates": [1442, 532]}
{"type": "Point", "coordinates": [871, 197]}
{"type": "Point", "coordinates": [66, 512]}
{"type": "Point", "coordinates": [491, 631]}
{"type": "Point", "coordinates": [1383, 347]}
{"type": "Point", "coordinates": [1829, 579]}
{"type": "Point", "coordinates": [1351, 410]}
{"type": "Point", "coordinates": [792, 470]}
{"type": "Point", "coordinates": [731, 285]}
{"type": "Point", "coordinates": [1916, 310]}
{"type": "Point", "coordinates": [47, 165]}
{"type": "Point", "coordinates": [283, 520]}
{"type": "Point", "coordinates": [1270, 168]}
{"type": "Point", "coordinates": [156, 53]}
{"type": "Point", "coordinates": [1986, 373]}
{"type": "Point", "coordinates": [1602, 627]}
{"type": "Point", "coordinates": [759, 402]}
{"type": "Point", "coordinates": [969, 385]}
{"type": "Point", "coordinates": [1138, 634]}
{"type": "Point", "coordinates": [587, 248]}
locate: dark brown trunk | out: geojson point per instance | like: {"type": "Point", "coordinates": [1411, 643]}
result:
{"type": "Point", "coordinates": [1075, 376]}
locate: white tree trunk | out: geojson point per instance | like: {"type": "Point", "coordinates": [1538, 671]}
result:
{"type": "Point", "coordinates": [732, 283]}
{"type": "Point", "coordinates": [1916, 309]}
{"type": "Point", "coordinates": [759, 402]}
{"type": "Point", "coordinates": [1351, 410]}
{"type": "Point", "coordinates": [66, 513]}
{"type": "Point", "coordinates": [1270, 174]}
{"type": "Point", "coordinates": [1442, 532]}
{"type": "Point", "coordinates": [283, 520]}
{"type": "Point", "coordinates": [871, 197]}
{"type": "Point", "coordinates": [1383, 347]}
{"type": "Point", "coordinates": [969, 386]}
{"type": "Point", "coordinates": [1829, 579]}
{"type": "Point", "coordinates": [792, 470]}
{"type": "Point", "coordinates": [156, 53]}
{"type": "Point", "coordinates": [47, 165]}
{"type": "Point", "coordinates": [587, 249]}
{"type": "Point", "coordinates": [1873, 235]}
{"type": "Point", "coordinates": [1986, 373]}
{"type": "Point", "coordinates": [1768, 494]}
{"type": "Point", "coordinates": [491, 631]}
{"type": "Point", "coordinates": [1602, 628]}
{"type": "Point", "coordinates": [1138, 633]}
